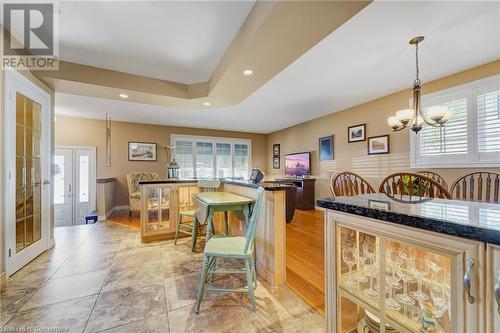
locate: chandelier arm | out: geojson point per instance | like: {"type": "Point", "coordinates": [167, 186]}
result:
{"type": "Point", "coordinates": [402, 127]}
{"type": "Point", "coordinates": [427, 121]}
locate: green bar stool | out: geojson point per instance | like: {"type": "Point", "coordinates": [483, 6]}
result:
{"type": "Point", "coordinates": [187, 219]}
{"type": "Point", "coordinates": [236, 247]}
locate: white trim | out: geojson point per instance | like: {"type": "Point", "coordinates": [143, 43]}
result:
{"type": "Point", "coordinates": [471, 159]}
{"type": "Point", "coordinates": [92, 177]}
{"type": "Point", "coordinates": [214, 140]}
{"type": "Point", "coordinates": [14, 80]}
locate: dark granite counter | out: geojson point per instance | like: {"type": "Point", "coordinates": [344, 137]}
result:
{"type": "Point", "coordinates": [268, 186]}
{"type": "Point", "coordinates": [472, 220]}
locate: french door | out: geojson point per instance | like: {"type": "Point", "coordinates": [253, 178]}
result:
{"type": "Point", "coordinates": [74, 184]}
{"type": "Point", "coordinates": [27, 139]}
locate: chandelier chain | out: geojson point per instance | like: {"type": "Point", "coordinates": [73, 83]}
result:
{"type": "Point", "coordinates": [416, 62]}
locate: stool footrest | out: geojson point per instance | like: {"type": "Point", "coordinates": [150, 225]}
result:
{"type": "Point", "coordinates": [238, 290]}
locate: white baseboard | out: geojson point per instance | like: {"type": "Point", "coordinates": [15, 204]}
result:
{"type": "Point", "coordinates": [51, 244]}
{"type": "Point", "coordinates": [2, 276]}
{"type": "Point", "coordinates": [120, 207]}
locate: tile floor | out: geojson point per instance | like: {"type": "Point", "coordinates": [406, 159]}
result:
{"type": "Point", "coordinates": [101, 278]}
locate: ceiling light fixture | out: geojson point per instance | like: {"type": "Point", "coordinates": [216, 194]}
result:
{"type": "Point", "coordinates": [415, 116]}
{"type": "Point", "coordinates": [248, 72]}
{"type": "Point", "coordinates": [122, 95]}
{"type": "Point", "coordinates": [207, 103]}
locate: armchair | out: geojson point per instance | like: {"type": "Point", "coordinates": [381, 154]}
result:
{"type": "Point", "coordinates": [134, 194]}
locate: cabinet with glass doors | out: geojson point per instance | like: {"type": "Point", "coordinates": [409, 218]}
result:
{"type": "Point", "coordinates": [389, 278]}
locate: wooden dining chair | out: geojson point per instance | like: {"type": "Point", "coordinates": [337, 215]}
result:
{"type": "Point", "coordinates": [434, 176]}
{"type": "Point", "coordinates": [187, 218]}
{"type": "Point", "coordinates": [477, 186]}
{"type": "Point", "coordinates": [411, 187]}
{"type": "Point", "coordinates": [232, 247]}
{"type": "Point", "coordinates": [349, 184]}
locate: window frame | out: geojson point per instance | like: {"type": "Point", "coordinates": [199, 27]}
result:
{"type": "Point", "coordinates": [472, 158]}
{"type": "Point", "coordinates": [214, 141]}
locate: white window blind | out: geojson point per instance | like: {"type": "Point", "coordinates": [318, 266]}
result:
{"type": "Point", "coordinates": [184, 158]}
{"type": "Point", "coordinates": [241, 160]}
{"type": "Point", "coordinates": [212, 157]}
{"type": "Point", "coordinates": [488, 122]}
{"type": "Point", "coordinates": [448, 140]}
{"type": "Point", "coordinates": [204, 160]}
{"type": "Point", "coordinates": [224, 160]}
{"type": "Point", "coordinates": [471, 137]}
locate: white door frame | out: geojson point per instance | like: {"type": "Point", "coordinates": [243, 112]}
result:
{"type": "Point", "coordinates": [92, 179]}
{"type": "Point", "coordinates": [15, 80]}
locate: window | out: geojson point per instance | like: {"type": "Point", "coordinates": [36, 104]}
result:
{"type": "Point", "coordinates": [208, 157]}
{"type": "Point", "coordinates": [471, 137]}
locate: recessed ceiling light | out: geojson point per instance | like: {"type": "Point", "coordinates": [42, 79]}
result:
{"type": "Point", "coordinates": [248, 72]}
{"type": "Point", "coordinates": [123, 95]}
{"type": "Point", "coordinates": [207, 103]}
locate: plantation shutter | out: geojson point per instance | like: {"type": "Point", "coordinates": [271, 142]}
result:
{"type": "Point", "coordinates": [184, 158]}
{"type": "Point", "coordinates": [452, 139]}
{"type": "Point", "coordinates": [488, 122]}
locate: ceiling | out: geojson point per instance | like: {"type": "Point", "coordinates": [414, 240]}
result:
{"type": "Point", "coordinates": [366, 58]}
{"type": "Point", "coordinates": [181, 41]}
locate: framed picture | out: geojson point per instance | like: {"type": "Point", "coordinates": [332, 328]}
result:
{"type": "Point", "coordinates": [142, 151]}
{"type": "Point", "coordinates": [356, 133]}
{"type": "Point", "coordinates": [378, 145]}
{"type": "Point", "coordinates": [326, 148]}
{"type": "Point", "coordinates": [276, 162]}
{"type": "Point", "coordinates": [276, 149]}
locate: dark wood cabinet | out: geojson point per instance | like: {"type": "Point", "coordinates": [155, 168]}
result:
{"type": "Point", "coordinates": [305, 191]}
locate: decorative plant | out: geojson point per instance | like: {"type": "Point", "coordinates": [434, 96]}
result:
{"type": "Point", "coordinates": [414, 181]}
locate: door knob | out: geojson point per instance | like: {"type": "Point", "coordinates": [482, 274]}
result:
{"type": "Point", "coordinates": [46, 182]}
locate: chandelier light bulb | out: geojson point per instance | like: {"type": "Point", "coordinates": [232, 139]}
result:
{"type": "Point", "coordinates": [404, 116]}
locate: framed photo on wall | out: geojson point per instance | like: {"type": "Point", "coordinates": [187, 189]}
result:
{"type": "Point", "coordinates": [276, 149]}
{"type": "Point", "coordinates": [326, 148]}
{"type": "Point", "coordinates": [378, 145]}
{"type": "Point", "coordinates": [142, 151]}
{"type": "Point", "coordinates": [276, 162]}
{"type": "Point", "coordinates": [356, 133]}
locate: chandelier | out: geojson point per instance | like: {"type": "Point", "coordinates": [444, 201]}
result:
{"type": "Point", "coordinates": [436, 116]}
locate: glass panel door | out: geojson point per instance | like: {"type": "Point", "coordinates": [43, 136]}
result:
{"type": "Point", "coordinates": [28, 173]}
{"type": "Point", "coordinates": [63, 187]}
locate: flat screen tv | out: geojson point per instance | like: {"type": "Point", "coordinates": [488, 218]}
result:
{"type": "Point", "coordinates": [298, 164]}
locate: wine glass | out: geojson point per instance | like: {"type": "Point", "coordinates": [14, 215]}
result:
{"type": "Point", "coordinates": [371, 270]}
{"type": "Point", "coordinates": [392, 281]}
{"type": "Point", "coordinates": [404, 298]}
{"type": "Point", "coordinates": [349, 257]}
{"type": "Point", "coordinates": [361, 260]}
{"type": "Point", "coordinates": [414, 262]}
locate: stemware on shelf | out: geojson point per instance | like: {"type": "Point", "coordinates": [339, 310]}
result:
{"type": "Point", "coordinates": [371, 268]}
{"type": "Point", "coordinates": [417, 268]}
{"type": "Point", "coordinates": [349, 253]}
{"type": "Point", "coordinates": [392, 281]}
{"type": "Point", "coordinates": [404, 298]}
{"type": "Point", "coordinates": [361, 259]}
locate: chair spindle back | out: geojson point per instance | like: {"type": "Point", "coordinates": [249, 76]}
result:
{"type": "Point", "coordinates": [349, 184]}
{"type": "Point", "coordinates": [434, 176]}
{"type": "Point", "coordinates": [411, 187]}
{"type": "Point", "coordinates": [252, 224]}
{"type": "Point", "coordinates": [477, 186]}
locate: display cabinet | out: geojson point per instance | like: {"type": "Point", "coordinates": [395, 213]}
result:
{"type": "Point", "coordinates": [161, 205]}
{"type": "Point", "coordinates": [383, 277]}
{"type": "Point", "coordinates": [493, 290]}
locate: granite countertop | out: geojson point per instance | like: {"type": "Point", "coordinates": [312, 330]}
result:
{"type": "Point", "coordinates": [472, 220]}
{"type": "Point", "coordinates": [268, 186]}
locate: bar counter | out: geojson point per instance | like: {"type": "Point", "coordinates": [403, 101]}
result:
{"type": "Point", "coordinates": [163, 200]}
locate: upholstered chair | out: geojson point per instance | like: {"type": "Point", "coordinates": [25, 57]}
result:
{"type": "Point", "coordinates": [134, 194]}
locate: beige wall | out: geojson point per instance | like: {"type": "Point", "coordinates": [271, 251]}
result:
{"type": "Point", "coordinates": [89, 132]}
{"type": "Point", "coordinates": [353, 156]}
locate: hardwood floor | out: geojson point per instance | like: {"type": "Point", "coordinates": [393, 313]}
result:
{"type": "Point", "coordinates": [121, 217]}
{"type": "Point", "coordinates": [305, 271]}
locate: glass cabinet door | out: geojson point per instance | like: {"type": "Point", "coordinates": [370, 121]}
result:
{"type": "Point", "coordinates": [158, 210]}
{"type": "Point", "coordinates": [387, 285]}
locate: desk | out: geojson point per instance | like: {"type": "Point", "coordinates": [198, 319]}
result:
{"type": "Point", "coordinates": [208, 203]}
